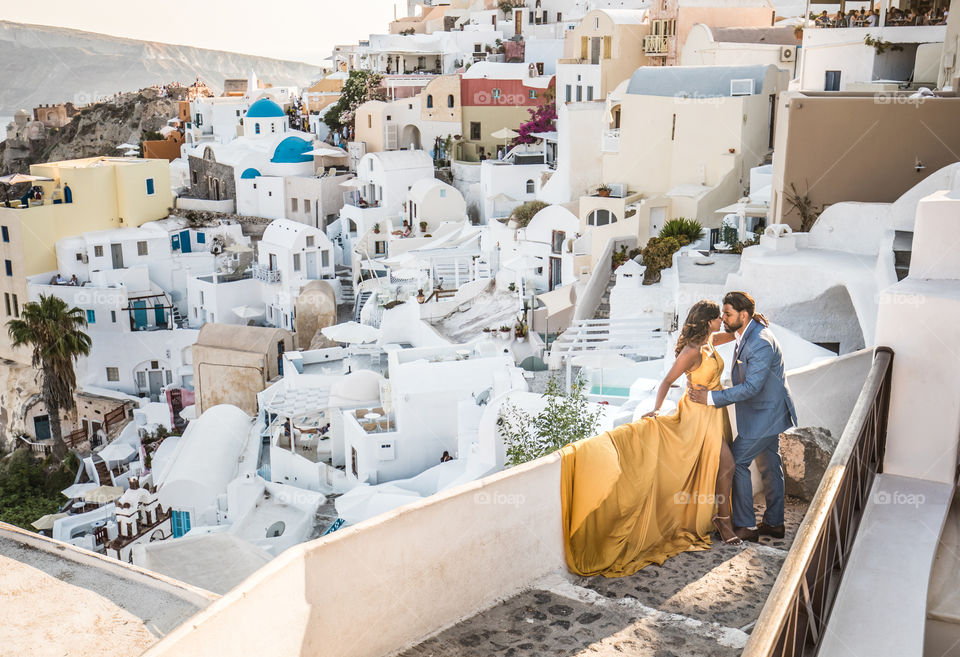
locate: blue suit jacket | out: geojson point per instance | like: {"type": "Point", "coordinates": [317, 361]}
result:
{"type": "Point", "coordinates": [764, 405]}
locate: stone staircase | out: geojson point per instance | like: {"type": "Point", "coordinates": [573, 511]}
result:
{"type": "Point", "coordinates": [603, 308]}
{"type": "Point", "coordinates": [177, 318]}
{"type": "Point", "coordinates": [697, 603]}
{"type": "Point", "coordinates": [902, 249]}
{"type": "Point", "coordinates": [344, 275]}
{"type": "Point", "coordinates": [358, 304]}
{"type": "Point", "coordinates": [104, 475]}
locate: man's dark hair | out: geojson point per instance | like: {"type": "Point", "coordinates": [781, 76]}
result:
{"type": "Point", "coordinates": [741, 301]}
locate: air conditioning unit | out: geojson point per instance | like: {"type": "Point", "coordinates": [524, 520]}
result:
{"type": "Point", "coordinates": [788, 54]}
{"type": "Point", "coordinates": [741, 87]}
{"type": "Point", "coordinates": [617, 190]}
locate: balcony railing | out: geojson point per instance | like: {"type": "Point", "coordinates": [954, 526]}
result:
{"type": "Point", "coordinates": [793, 620]}
{"type": "Point", "coordinates": [656, 44]}
{"type": "Point", "coordinates": [266, 274]}
{"type": "Point", "coordinates": [611, 141]}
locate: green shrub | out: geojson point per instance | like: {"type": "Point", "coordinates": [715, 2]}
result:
{"type": "Point", "coordinates": [681, 227]}
{"type": "Point", "coordinates": [657, 255]}
{"type": "Point", "coordinates": [522, 214]}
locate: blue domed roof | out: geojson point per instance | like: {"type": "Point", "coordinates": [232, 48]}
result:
{"type": "Point", "coordinates": [292, 150]}
{"type": "Point", "coordinates": [265, 109]}
{"type": "Point", "coordinates": [249, 173]}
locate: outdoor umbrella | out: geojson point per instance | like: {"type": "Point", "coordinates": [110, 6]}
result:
{"type": "Point", "coordinates": [248, 312]}
{"type": "Point", "coordinates": [126, 146]}
{"type": "Point", "coordinates": [352, 332]}
{"type": "Point", "coordinates": [353, 183]}
{"type": "Point", "coordinates": [77, 490]}
{"type": "Point", "coordinates": [46, 522]}
{"type": "Point", "coordinates": [505, 134]}
{"type": "Point", "coordinates": [533, 364]}
{"type": "Point", "coordinates": [18, 178]}
{"type": "Point", "coordinates": [189, 412]}
{"type": "Point", "coordinates": [103, 494]}
{"type": "Point", "coordinates": [117, 452]}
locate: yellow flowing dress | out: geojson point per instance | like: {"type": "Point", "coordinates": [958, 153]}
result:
{"type": "Point", "coordinates": [644, 492]}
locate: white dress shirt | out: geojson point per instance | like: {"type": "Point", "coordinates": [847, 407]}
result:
{"type": "Point", "coordinates": [736, 351]}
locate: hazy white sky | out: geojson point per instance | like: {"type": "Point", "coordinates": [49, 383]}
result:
{"type": "Point", "coordinates": [303, 31]}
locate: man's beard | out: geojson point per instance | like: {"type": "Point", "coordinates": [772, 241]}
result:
{"type": "Point", "coordinates": [731, 329]}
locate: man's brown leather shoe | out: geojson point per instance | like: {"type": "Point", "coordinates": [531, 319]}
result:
{"type": "Point", "coordinates": [774, 531]}
{"type": "Point", "coordinates": [746, 534]}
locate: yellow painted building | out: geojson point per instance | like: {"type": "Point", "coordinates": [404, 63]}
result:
{"type": "Point", "coordinates": [84, 195]}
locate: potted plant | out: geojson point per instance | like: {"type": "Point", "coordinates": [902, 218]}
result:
{"type": "Point", "coordinates": [376, 228]}
{"type": "Point", "coordinates": [487, 329]}
{"type": "Point", "coordinates": [504, 332]}
{"type": "Point", "coordinates": [603, 190]}
{"type": "Point", "coordinates": [520, 329]}
{"type": "Point", "coordinates": [423, 226]}
{"type": "Point", "coordinates": [512, 287]}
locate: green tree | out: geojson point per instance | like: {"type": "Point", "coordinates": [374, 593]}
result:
{"type": "Point", "coordinates": [30, 488]}
{"type": "Point", "coordinates": [54, 332]}
{"type": "Point", "coordinates": [567, 418]}
{"type": "Point", "coordinates": [522, 214]}
{"type": "Point", "coordinates": [359, 87]}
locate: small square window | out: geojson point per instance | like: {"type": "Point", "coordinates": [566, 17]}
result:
{"type": "Point", "coordinates": [142, 248]}
{"type": "Point", "coordinates": [150, 187]}
{"type": "Point", "coordinates": [9, 267]}
{"type": "Point", "coordinates": [91, 317]}
{"type": "Point", "coordinates": [16, 306]}
{"type": "Point", "coordinates": [296, 262]}
{"type": "Point", "coordinates": [293, 205]}
{"type": "Point", "coordinates": [113, 316]}
{"type": "Point", "coordinates": [306, 205]}
{"type": "Point", "coordinates": [113, 374]}
{"type": "Point", "coordinates": [79, 257]}
{"type": "Point", "coordinates": [443, 193]}
{"type": "Point", "coordinates": [201, 238]}
{"type": "Point", "coordinates": [5, 233]}
{"type": "Point", "coordinates": [98, 252]}
{"type": "Point", "coordinates": [533, 94]}
{"type": "Point", "coordinates": [310, 241]}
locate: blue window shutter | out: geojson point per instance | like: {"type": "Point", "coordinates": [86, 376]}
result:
{"type": "Point", "coordinates": [91, 317]}
{"type": "Point", "coordinates": [5, 233]}
{"type": "Point", "coordinates": [150, 188]}
{"type": "Point", "coordinates": [201, 238]}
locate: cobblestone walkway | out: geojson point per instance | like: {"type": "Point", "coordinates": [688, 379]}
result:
{"type": "Point", "coordinates": [697, 603]}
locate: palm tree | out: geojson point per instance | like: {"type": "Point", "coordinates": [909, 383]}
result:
{"type": "Point", "coordinates": [53, 330]}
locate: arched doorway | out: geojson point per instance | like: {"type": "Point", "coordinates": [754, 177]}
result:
{"type": "Point", "coordinates": [410, 137]}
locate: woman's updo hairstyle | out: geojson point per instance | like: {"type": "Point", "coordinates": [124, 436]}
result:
{"type": "Point", "coordinates": [697, 326]}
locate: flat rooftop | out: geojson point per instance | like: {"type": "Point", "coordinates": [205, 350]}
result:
{"type": "Point", "coordinates": [61, 600]}
{"type": "Point", "coordinates": [697, 603]}
{"type": "Point", "coordinates": [711, 271]}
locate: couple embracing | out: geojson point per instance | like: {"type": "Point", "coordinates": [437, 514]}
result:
{"type": "Point", "coordinates": [648, 490]}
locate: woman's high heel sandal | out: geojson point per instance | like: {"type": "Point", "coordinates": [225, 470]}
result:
{"type": "Point", "coordinates": [733, 540]}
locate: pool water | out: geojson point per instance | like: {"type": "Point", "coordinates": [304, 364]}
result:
{"type": "Point", "coordinates": [610, 391]}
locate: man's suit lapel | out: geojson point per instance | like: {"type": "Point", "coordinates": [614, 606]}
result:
{"type": "Point", "coordinates": [735, 373]}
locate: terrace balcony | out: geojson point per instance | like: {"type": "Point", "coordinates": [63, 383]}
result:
{"type": "Point", "coordinates": [656, 44]}
{"type": "Point", "coordinates": [265, 274]}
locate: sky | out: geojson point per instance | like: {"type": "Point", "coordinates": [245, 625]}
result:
{"type": "Point", "coordinates": [301, 31]}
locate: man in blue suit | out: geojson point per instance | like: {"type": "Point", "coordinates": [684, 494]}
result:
{"type": "Point", "coordinates": [764, 410]}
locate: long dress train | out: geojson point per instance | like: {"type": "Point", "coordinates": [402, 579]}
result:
{"type": "Point", "coordinates": [644, 492]}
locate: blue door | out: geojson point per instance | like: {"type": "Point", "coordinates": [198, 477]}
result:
{"type": "Point", "coordinates": [180, 520]}
{"type": "Point", "coordinates": [161, 314]}
{"type": "Point", "coordinates": [185, 241]}
{"type": "Point", "coordinates": [139, 315]}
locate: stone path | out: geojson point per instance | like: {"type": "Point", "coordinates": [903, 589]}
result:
{"type": "Point", "coordinates": [697, 603]}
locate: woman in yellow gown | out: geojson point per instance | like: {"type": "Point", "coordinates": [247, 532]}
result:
{"type": "Point", "coordinates": [648, 490]}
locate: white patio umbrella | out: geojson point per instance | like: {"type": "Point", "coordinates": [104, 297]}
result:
{"type": "Point", "coordinates": [362, 503]}
{"type": "Point", "coordinates": [103, 494]}
{"type": "Point", "coordinates": [236, 247]}
{"type": "Point", "coordinates": [131, 152]}
{"type": "Point", "coordinates": [46, 522]}
{"type": "Point", "coordinates": [327, 151]}
{"type": "Point", "coordinates": [77, 490]}
{"type": "Point", "coordinates": [248, 312]}
{"type": "Point", "coordinates": [117, 452]}
{"type": "Point", "coordinates": [523, 262]}
{"type": "Point", "coordinates": [126, 146]}
{"type": "Point", "coordinates": [353, 183]}
{"type": "Point", "coordinates": [352, 332]}
{"type": "Point", "coordinates": [505, 134]}
{"type": "Point", "coordinates": [189, 412]}
{"type": "Point", "coordinates": [17, 178]}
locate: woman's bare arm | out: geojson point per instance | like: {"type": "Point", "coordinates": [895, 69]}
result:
{"type": "Point", "coordinates": [688, 358]}
{"type": "Point", "coordinates": [722, 337]}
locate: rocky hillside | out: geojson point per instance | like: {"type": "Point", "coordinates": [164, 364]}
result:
{"type": "Point", "coordinates": [40, 64]}
{"type": "Point", "coordinates": [96, 130]}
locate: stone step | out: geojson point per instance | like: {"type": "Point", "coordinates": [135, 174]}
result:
{"type": "Point", "coordinates": [696, 603]}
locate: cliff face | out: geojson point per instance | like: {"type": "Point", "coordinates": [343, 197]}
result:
{"type": "Point", "coordinates": [96, 130]}
{"type": "Point", "coordinates": [40, 64]}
